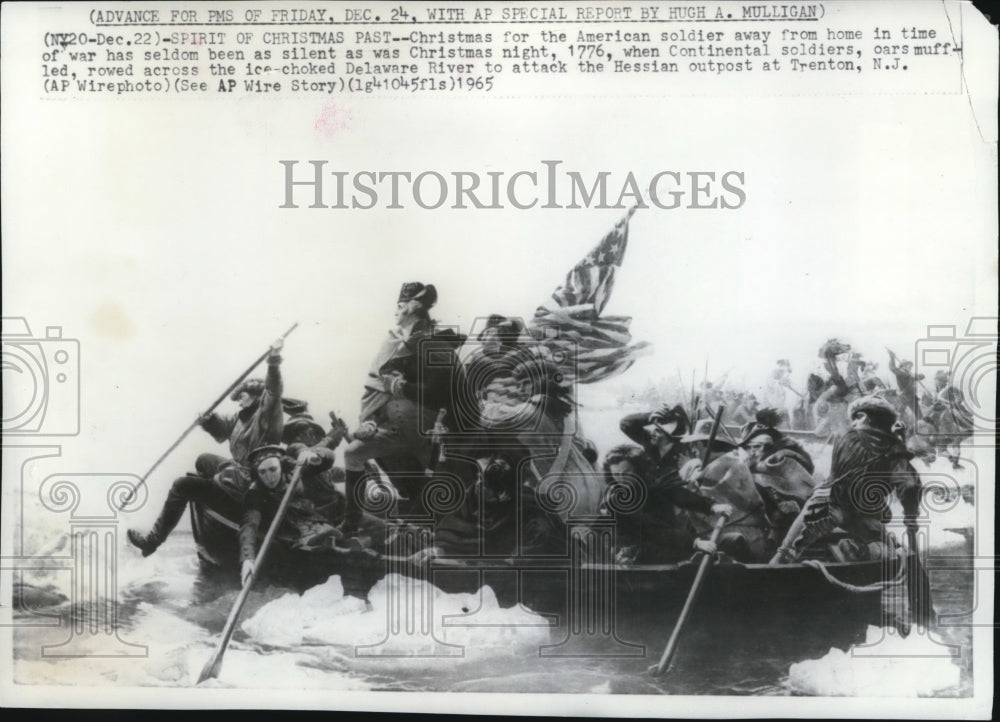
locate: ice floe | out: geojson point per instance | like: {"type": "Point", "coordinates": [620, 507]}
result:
{"type": "Point", "coordinates": [404, 617]}
{"type": "Point", "coordinates": [886, 665]}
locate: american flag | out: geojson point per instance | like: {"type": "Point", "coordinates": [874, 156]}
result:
{"type": "Point", "coordinates": [580, 346]}
{"type": "Point", "coordinates": [571, 326]}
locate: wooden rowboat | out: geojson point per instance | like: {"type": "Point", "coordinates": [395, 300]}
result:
{"type": "Point", "coordinates": [752, 594]}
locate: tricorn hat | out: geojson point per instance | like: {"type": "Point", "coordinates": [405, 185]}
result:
{"type": "Point", "coordinates": [297, 424]}
{"type": "Point", "coordinates": [416, 291]}
{"type": "Point", "coordinates": [703, 432]}
{"type": "Point", "coordinates": [262, 452]}
{"type": "Point", "coordinates": [766, 422]}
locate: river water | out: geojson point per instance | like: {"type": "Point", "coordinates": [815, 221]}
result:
{"type": "Point", "coordinates": [325, 640]}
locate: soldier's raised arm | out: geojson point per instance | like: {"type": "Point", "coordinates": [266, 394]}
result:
{"type": "Point", "coordinates": [632, 426]}
{"type": "Point", "coordinates": [272, 415]}
{"type": "Point", "coordinates": [893, 366]}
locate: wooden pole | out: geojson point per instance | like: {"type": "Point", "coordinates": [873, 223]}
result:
{"type": "Point", "coordinates": [675, 635]}
{"type": "Point", "coordinates": [197, 422]}
{"type": "Point", "coordinates": [214, 665]}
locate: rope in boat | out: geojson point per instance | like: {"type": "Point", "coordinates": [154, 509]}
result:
{"type": "Point", "coordinates": [873, 587]}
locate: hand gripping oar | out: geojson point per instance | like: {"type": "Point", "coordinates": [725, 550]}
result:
{"type": "Point", "coordinates": [197, 422]}
{"type": "Point", "coordinates": [675, 635]}
{"type": "Point", "coordinates": [214, 665]}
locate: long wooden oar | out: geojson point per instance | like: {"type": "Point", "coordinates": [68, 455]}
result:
{"type": "Point", "coordinates": [197, 421]}
{"type": "Point", "coordinates": [706, 561]}
{"type": "Point", "coordinates": [918, 588]}
{"type": "Point", "coordinates": [671, 649]}
{"type": "Point", "coordinates": [716, 423]}
{"type": "Point", "coordinates": [214, 665]}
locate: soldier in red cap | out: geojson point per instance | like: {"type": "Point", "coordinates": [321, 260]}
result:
{"type": "Point", "coordinates": [869, 463]}
{"type": "Point", "coordinates": [412, 378]}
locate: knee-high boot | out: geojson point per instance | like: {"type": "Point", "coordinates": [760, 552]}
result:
{"type": "Point", "coordinates": [173, 510]}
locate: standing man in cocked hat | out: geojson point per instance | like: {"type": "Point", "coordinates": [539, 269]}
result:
{"type": "Point", "coordinates": [412, 377]}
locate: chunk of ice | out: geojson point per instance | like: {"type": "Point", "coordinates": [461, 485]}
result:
{"type": "Point", "coordinates": [323, 615]}
{"type": "Point", "coordinates": [886, 665]}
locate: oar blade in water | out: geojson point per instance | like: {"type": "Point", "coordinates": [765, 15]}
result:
{"type": "Point", "coordinates": [211, 669]}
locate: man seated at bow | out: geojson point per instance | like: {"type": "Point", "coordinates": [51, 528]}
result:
{"type": "Point", "coordinates": [869, 463]}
